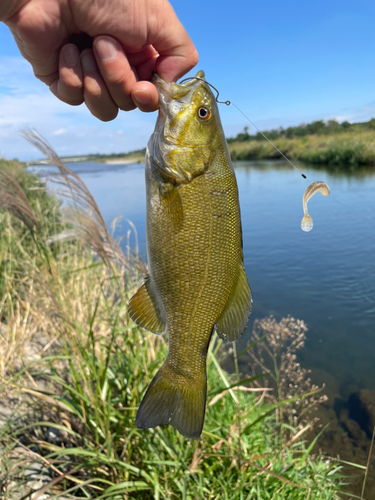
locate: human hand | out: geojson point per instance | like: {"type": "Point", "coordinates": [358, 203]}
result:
{"type": "Point", "coordinates": [130, 39]}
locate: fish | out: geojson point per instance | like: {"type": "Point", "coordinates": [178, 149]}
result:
{"type": "Point", "coordinates": [196, 279]}
{"type": "Point", "coordinates": [315, 187]}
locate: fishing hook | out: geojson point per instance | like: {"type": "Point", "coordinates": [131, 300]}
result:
{"type": "Point", "coordinates": [228, 103]}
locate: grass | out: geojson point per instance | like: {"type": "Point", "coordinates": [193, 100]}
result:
{"type": "Point", "coordinates": [96, 376]}
{"type": "Point", "coordinates": [331, 144]}
{"type": "Point", "coordinates": [348, 149]}
{"type": "Point", "coordinates": [16, 236]}
{"type": "Point", "coordinates": [137, 156]}
{"type": "Point", "coordinates": [78, 397]}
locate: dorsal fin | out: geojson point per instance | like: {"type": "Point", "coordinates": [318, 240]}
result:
{"type": "Point", "coordinates": [234, 318]}
{"type": "Point", "coordinates": [144, 311]}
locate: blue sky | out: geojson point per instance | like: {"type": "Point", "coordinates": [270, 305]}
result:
{"type": "Point", "coordinates": [282, 63]}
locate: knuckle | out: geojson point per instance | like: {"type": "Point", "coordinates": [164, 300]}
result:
{"type": "Point", "coordinates": [47, 79]}
{"type": "Point", "coordinates": [93, 89]}
{"type": "Point", "coordinates": [128, 106]}
{"type": "Point", "coordinates": [117, 80]}
{"type": "Point", "coordinates": [109, 117]}
{"type": "Point", "coordinates": [103, 115]}
{"type": "Point", "coordinates": [72, 82]}
{"type": "Point", "coordinates": [194, 57]}
{"type": "Point", "coordinates": [74, 101]}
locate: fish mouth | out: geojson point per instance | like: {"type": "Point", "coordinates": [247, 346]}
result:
{"type": "Point", "coordinates": [181, 92]}
{"type": "Point", "coordinates": [163, 91]}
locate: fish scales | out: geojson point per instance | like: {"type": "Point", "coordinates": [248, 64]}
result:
{"type": "Point", "coordinates": [200, 275]}
{"type": "Point", "coordinates": [194, 246]}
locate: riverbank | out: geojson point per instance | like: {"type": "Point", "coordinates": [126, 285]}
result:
{"type": "Point", "coordinates": [340, 146]}
{"type": "Point", "coordinates": [347, 150]}
{"type": "Point", "coordinates": [95, 365]}
{"type": "Point", "coordinates": [126, 160]}
{"type": "Point", "coordinates": [137, 156]}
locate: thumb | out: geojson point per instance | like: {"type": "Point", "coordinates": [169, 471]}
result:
{"type": "Point", "coordinates": [177, 53]}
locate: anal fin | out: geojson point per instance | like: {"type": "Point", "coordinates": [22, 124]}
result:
{"type": "Point", "coordinates": [233, 320]}
{"type": "Point", "coordinates": [143, 310]}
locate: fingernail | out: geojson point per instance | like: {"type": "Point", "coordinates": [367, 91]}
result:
{"type": "Point", "coordinates": [107, 48]}
{"type": "Point", "coordinates": [88, 61]}
{"type": "Point", "coordinates": [141, 97]}
{"type": "Point", "coordinates": [70, 55]}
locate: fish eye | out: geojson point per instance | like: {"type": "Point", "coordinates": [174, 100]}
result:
{"type": "Point", "coordinates": [204, 113]}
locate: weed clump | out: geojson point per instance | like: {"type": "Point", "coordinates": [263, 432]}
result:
{"type": "Point", "coordinates": [274, 353]}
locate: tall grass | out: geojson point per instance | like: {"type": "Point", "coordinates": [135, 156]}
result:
{"type": "Point", "coordinates": [97, 375]}
{"type": "Point", "coordinates": [16, 241]}
{"type": "Point", "coordinates": [78, 398]}
{"type": "Point", "coordinates": [348, 150]}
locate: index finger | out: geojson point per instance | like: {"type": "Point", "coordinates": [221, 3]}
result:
{"type": "Point", "coordinates": [121, 77]}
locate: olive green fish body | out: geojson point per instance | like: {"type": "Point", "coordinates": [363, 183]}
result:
{"type": "Point", "coordinates": [196, 277]}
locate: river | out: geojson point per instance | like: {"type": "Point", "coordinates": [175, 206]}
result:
{"type": "Point", "coordinates": [325, 277]}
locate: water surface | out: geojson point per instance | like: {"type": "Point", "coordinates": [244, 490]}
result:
{"type": "Point", "coordinates": [325, 277]}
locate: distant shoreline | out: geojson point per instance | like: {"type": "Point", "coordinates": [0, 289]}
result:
{"type": "Point", "coordinates": [343, 146]}
{"type": "Point", "coordinates": [119, 161]}
{"type": "Point", "coordinates": [347, 151]}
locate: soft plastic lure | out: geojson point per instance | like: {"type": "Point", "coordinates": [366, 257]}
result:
{"type": "Point", "coordinates": [315, 187]}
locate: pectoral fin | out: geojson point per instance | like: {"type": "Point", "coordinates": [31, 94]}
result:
{"type": "Point", "coordinates": [171, 203]}
{"type": "Point", "coordinates": [235, 316]}
{"type": "Point", "coordinates": [144, 311]}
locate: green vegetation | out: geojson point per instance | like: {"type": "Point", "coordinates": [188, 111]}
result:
{"type": "Point", "coordinates": [97, 377]}
{"type": "Point", "coordinates": [319, 127]}
{"type": "Point", "coordinates": [79, 392]}
{"type": "Point", "coordinates": [347, 145]}
{"type": "Point", "coordinates": [15, 235]}
{"type": "Point", "coordinates": [136, 156]}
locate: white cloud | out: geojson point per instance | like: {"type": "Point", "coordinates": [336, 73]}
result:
{"type": "Point", "coordinates": [362, 114]}
{"type": "Point", "coordinates": [232, 125]}
{"type": "Point", "coordinates": [27, 103]}
{"type": "Point", "coordinates": [16, 75]}
{"type": "Point", "coordinates": [60, 131]}
{"type": "Point", "coordinates": [340, 118]}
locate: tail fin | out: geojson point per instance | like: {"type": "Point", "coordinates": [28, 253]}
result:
{"type": "Point", "coordinates": [172, 399]}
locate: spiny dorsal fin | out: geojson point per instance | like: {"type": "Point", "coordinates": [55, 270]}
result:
{"type": "Point", "coordinates": [235, 316]}
{"type": "Point", "coordinates": [144, 312]}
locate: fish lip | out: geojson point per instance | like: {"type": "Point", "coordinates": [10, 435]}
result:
{"type": "Point", "coordinates": [164, 92]}
{"type": "Point", "coordinates": [172, 96]}
{"type": "Point", "coordinates": [169, 92]}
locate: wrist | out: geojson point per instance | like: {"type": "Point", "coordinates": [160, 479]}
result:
{"type": "Point", "coordinates": [8, 8]}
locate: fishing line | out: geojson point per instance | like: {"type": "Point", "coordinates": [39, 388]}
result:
{"type": "Point", "coordinates": [277, 149]}
{"type": "Point", "coordinates": [302, 174]}
{"type": "Point", "coordinates": [229, 103]}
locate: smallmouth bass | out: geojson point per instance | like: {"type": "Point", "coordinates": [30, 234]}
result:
{"type": "Point", "coordinates": [196, 280]}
